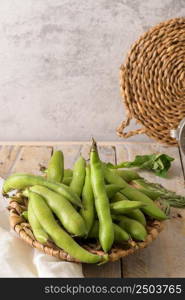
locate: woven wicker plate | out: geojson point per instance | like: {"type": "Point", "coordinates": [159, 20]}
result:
{"type": "Point", "coordinates": [152, 82]}
{"type": "Point", "coordinates": [24, 231]}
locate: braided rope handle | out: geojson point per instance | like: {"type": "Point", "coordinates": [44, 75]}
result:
{"type": "Point", "coordinates": [120, 129]}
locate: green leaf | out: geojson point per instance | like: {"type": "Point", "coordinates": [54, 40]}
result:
{"type": "Point", "coordinates": [158, 163]}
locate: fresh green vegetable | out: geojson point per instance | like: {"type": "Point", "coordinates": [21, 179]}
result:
{"type": "Point", "coordinates": [112, 190]}
{"type": "Point", "coordinates": [159, 163]}
{"type": "Point", "coordinates": [63, 209]}
{"type": "Point", "coordinates": [133, 227]}
{"type": "Point", "coordinates": [55, 170]}
{"type": "Point", "coordinates": [113, 178]}
{"type": "Point", "coordinates": [22, 181]}
{"type": "Point", "coordinates": [58, 235]}
{"type": "Point", "coordinates": [134, 214]}
{"type": "Point", "coordinates": [67, 180]}
{"type": "Point", "coordinates": [118, 197]}
{"type": "Point", "coordinates": [88, 209]}
{"type": "Point", "coordinates": [78, 178]}
{"type": "Point", "coordinates": [68, 173]}
{"type": "Point", "coordinates": [106, 231]}
{"type": "Point", "coordinates": [120, 235]}
{"type": "Point", "coordinates": [39, 233]}
{"type": "Point", "coordinates": [127, 175]}
{"type": "Point", "coordinates": [151, 209]}
{"type": "Point", "coordinates": [125, 206]}
{"type": "Point", "coordinates": [137, 214]}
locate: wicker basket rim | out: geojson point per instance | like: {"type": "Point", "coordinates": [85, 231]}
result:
{"type": "Point", "coordinates": [22, 228]}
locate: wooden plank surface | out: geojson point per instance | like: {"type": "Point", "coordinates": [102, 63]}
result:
{"type": "Point", "coordinates": [8, 155]}
{"type": "Point", "coordinates": [31, 159]}
{"type": "Point", "coordinates": [164, 257]}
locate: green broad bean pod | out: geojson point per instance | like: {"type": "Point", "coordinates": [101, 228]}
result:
{"type": "Point", "coordinates": [106, 231]}
{"type": "Point", "coordinates": [120, 235]}
{"type": "Point", "coordinates": [55, 170]}
{"type": "Point", "coordinates": [112, 189]}
{"type": "Point", "coordinates": [127, 175]}
{"type": "Point", "coordinates": [151, 209]}
{"type": "Point", "coordinates": [113, 178]}
{"type": "Point", "coordinates": [125, 206]}
{"type": "Point", "coordinates": [88, 209]}
{"type": "Point", "coordinates": [67, 180]}
{"type": "Point", "coordinates": [133, 227]}
{"type": "Point", "coordinates": [78, 178]}
{"type": "Point", "coordinates": [58, 235]}
{"type": "Point", "coordinates": [22, 181]}
{"type": "Point", "coordinates": [39, 233]}
{"type": "Point", "coordinates": [68, 173]}
{"type": "Point", "coordinates": [66, 213]}
{"type": "Point", "coordinates": [137, 215]}
{"type": "Point", "coordinates": [134, 214]}
{"type": "Point", "coordinates": [118, 197]}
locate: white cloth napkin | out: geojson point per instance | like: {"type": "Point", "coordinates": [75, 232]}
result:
{"type": "Point", "coordinates": [17, 259]}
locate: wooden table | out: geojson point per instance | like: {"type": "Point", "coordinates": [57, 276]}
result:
{"type": "Point", "coordinates": [165, 257]}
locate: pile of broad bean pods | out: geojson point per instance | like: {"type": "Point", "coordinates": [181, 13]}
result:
{"type": "Point", "coordinates": [92, 201]}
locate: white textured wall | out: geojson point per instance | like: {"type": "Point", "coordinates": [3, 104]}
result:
{"type": "Point", "coordinates": [59, 64]}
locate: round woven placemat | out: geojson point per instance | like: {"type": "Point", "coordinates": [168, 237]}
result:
{"type": "Point", "coordinates": [23, 229]}
{"type": "Point", "coordinates": [153, 82]}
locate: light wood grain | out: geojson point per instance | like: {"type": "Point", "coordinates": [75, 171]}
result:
{"type": "Point", "coordinates": [164, 257]}
{"type": "Point", "coordinates": [107, 153]}
{"type": "Point", "coordinates": [8, 155]}
{"type": "Point", "coordinates": [67, 143]}
{"type": "Point", "coordinates": [30, 159]}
